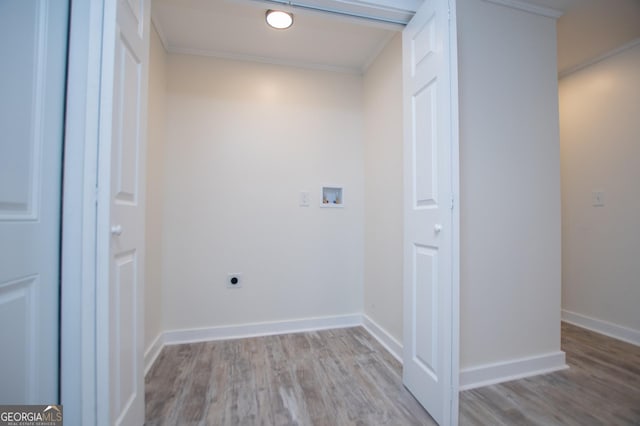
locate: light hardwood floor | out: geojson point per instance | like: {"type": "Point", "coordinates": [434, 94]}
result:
{"type": "Point", "coordinates": [601, 387]}
{"type": "Point", "coordinates": [344, 377]}
{"type": "Point", "coordinates": [333, 377]}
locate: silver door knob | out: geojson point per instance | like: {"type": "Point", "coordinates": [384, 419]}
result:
{"type": "Point", "coordinates": [437, 228]}
{"type": "Point", "coordinates": [116, 230]}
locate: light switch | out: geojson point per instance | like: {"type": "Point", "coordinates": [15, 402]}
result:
{"type": "Point", "coordinates": [305, 199]}
{"type": "Point", "coordinates": [597, 198]}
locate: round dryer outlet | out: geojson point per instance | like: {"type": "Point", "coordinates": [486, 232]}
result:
{"type": "Point", "coordinates": [234, 280]}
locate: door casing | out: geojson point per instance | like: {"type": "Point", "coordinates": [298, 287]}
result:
{"type": "Point", "coordinates": [79, 369]}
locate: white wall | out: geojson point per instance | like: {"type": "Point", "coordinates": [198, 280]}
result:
{"type": "Point", "coordinates": [510, 185]}
{"type": "Point", "coordinates": [600, 141]}
{"type": "Point", "coordinates": [383, 189]}
{"type": "Point", "coordinates": [154, 194]}
{"type": "Point", "coordinates": [233, 176]}
{"type": "Point", "coordinates": [243, 139]}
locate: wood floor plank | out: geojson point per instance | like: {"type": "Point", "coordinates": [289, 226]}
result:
{"type": "Point", "coordinates": [345, 377]}
{"type": "Point", "coordinates": [601, 387]}
{"type": "Point", "coordinates": [324, 378]}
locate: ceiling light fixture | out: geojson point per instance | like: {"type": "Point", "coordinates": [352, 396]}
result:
{"type": "Point", "coordinates": [278, 19]}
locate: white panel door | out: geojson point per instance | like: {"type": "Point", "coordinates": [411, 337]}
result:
{"type": "Point", "coordinates": [428, 232]}
{"type": "Point", "coordinates": [121, 225]}
{"type": "Point", "coordinates": [33, 44]}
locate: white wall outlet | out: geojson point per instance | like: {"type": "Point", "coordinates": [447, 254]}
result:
{"type": "Point", "coordinates": [597, 198]}
{"type": "Point", "coordinates": [305, 199]}
{"type": "Point", "coordinates": [234, 280]}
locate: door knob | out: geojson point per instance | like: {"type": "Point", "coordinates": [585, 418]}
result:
{"type": "Point", "coordinates": [116, 230]}
{"type": "Point", "coordinates": [437, 228]}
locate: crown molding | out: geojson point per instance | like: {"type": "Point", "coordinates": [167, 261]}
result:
{"type": "Point", "coordinates": [600, 58]}
{"type": "Point", "coordinates": [372, 58]}
{"type": "Point", "coordinates": [529, 7]}
{"type": "Point", "coordinates": [155, 22]}
{"type": "Point", "coordinates": [264, 60]}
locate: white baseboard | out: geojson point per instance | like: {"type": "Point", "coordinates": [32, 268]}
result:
{"type": "Point", "coordinates": [492, 374]}
{"type": "Point", "coordinates": [616, 331]}
{"type": "Point", "coordinates": [383, 337]}
{"type": "Point", "coordinates": [225, 332]}
{"type": "Point", "coordinates": [152, 352]}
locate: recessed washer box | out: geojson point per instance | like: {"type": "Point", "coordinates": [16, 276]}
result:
{"type": "Point", "coordinates": [332, 196]}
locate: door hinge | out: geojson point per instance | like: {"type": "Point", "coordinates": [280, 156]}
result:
{"type": "Point", "coordinates": [451, 203]}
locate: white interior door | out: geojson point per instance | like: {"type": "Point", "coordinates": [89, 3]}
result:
{"type": "Point", "coordinates": [33, 44]}
{"type": "Point", "coordinates": [121, 209]}
{"type": "Point", "coordinates": [428, 240]}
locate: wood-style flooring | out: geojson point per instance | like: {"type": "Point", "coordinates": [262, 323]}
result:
{"type": "Point", "coordinates": [345, 377]}
{"type": "Point", "coordinates": [334, 377]}
{"type": "Point", "coordinates": [601, 387]}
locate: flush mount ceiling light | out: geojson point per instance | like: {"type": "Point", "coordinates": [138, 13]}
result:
{"type": "Point", "coordinates": [278, 19]}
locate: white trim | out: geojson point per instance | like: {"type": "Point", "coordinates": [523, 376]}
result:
{"type": "Point", "coordinates": [155, 23]}
{"type": "Point", "coordinates": [455, 218]}
{"type": "Point", "coordinates": [407, 5]}
{"type": "Point", "coordinates": [616, 331]}
{"type": "Point", "coordinates": [263, 60]}
{"type": "Point", "coordinates": [505, 371]}
{"type": "Point", "coordinates": [383, 337]}
{"type": "Point", "coordinates": [547, 12]}
{"type": "Point", "coordinates": [226, 332]}
{"type": "Point", "coordinates": [394, 12]}
{"type": "Point", "coordinates": [103, 216]}
{"type": "Point", "coordinates": [372, 58]}
{"type": "Point", "coordinates": [604, 56]}
{"type": "Point", "coordinates": [152, 352]}
{"type": "Point", "coordinates": [78, 300]}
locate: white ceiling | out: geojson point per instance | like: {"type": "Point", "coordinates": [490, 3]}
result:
{"type": "Point", "coordinates": [591, 28]}
{"type": "Point", "coordinates": [236, 29]}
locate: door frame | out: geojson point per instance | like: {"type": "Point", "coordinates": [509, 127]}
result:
{"type": "Point", "coordinates": [81, 376]}
{"type": "Point", "coordinates": [455, 214]}
{"type": "Point", "coordinates": [78, 321]}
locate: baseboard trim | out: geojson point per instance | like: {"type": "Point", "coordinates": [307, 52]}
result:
{"type": "Point", "coordinates": [383, 337]}
{"type": "Point", "coordinates": [226, 332]}
{"type": "Point", "coordinates": [616, 331]}
{"type": "Point", "coordinates": [492, 374]}
{"type": "Point", "coordinates": [152, 352]}
{"type": "Point", "coordinates": [469, 378]}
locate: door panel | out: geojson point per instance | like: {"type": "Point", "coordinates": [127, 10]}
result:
{"type": "Point", "coordinates": [126, 125]}
{"type": "Point", "coordinates": [125, 64]}
{"type": "Point", "coordinates": [33, 48]}
{"type": "Point", "coordinates": [18, 308]}
{"type": "Point", "coordinates": [125, 338]}
{"type": "Point", "coordinates": [426, 294]}
{"type": "Point", "coordinates": [424, 105]}
{"type": "Point", "coordinates": [428, 241]}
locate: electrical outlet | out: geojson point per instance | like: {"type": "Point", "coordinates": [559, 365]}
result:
{"type": "Point", "coordinates": [234, 280]}
{"type": "Point", "coordinates": [597, 198]}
